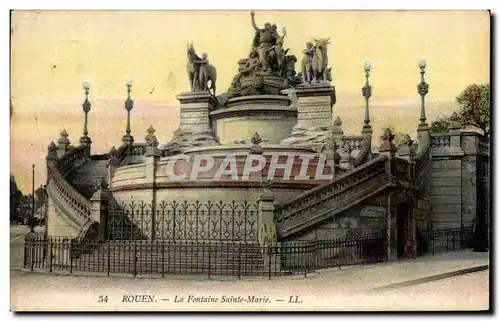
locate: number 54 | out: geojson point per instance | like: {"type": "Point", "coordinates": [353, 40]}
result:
{"type": "Point", "coordinates": [103, 298]}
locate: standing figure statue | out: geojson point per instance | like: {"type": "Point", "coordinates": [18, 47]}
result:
{"type": "Point", "coordinates": [192, 68]}
{"type": "Point", "coordinates": [264, 39]}
{"type": "Point", "coordinates": [320, 60]}
{"type": "Point", "coordinates": [207, 72]}
{"type": "Point", "coordinates": [279, 53]}
{"type": "Point", "coordinates": [307, 69]}
{"type": "Point", "coordinates": [200, 71]}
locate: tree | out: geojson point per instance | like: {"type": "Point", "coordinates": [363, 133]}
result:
{"type": "Point", "coordinates": [398, 136]}
{"type": "Point", "coordinates": [40, 197]}
{"type": "Point", "coordinates": [474, 104]}
{"type": "Point", "coordinates": [15, 198]}
{"type": "Point", "coordinates": [440, 125]}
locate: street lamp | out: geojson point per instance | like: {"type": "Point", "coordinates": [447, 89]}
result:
{"type": "Point", "coordinates": [129, 104]}
{"type": "Point", "coordinates": [367, 92]}
{"type": "Point", "coordinates": [86, 106]}
{"type": "Point", "coordinates": [32, 223]}
{"type": "Point", "coordinates": [422, 89]}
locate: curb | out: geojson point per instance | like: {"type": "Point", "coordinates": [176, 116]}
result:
{"type": "Point", "coordinates": [430, 278]}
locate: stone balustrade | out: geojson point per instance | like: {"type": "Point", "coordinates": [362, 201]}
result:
{"type": "Point", "coordinates": [440, 141]}
{"type": "Point", "coordinates": [353, 142]}
{"type": "Point", "coordinates": [67, 194]}
{"type": "Point", "coordinates": [303, 204]}
{"type": "Point", "coordinates": [67, 162]}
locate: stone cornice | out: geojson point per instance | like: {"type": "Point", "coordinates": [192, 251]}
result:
{"type": "Point", "coordinates": [210, 184]}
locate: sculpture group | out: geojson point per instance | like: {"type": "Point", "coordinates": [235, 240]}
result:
{"type": "Point", "coordinates": [315, 62]}
{"type": "Point", "coordinates": [268, 69]}
{"type": "Point", "coordinates": [200, 71]}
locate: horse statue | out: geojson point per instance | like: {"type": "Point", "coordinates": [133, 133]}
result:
{"type": "Point", "coordinates": [200, 71]}
{"type": "Point", "coordinates": [320, 60]}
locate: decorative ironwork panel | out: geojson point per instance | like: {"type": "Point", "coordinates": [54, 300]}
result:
{"type": "Point", "coordinates": [184, 221]}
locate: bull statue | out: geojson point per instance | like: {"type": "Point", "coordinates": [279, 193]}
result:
{"type": "Point", "coordinates": [320, 60]}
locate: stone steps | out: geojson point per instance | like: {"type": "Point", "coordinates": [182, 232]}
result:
{"type": "Point", "coordinates": [191, 258]}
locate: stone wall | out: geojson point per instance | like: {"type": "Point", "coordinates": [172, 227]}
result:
{"type": "Point", "coordinates": [457, 161]}
{"type": "Point", "coordinates": [58, 223]}
{"type": "Point", "coordinates": [445, 193]}
{"type": "Point", "coordinates": [271, 116]}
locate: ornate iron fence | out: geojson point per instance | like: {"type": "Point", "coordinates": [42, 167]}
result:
{"type": "Point", "coordinates": [220, 258]}
{"type": "Point", "coordinates": [201, 257]}
{"type": "Point", "coordinates": [183, 221]}
{"type": "Point", "coordinates": [446, 240]}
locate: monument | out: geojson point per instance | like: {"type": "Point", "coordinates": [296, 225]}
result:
{"type": "Point", "coordinates": [256, 168]}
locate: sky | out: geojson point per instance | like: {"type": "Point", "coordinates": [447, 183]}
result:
{"type": "Point", "coordinates": [52, 52]}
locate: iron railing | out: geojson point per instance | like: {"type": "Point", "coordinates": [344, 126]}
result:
{"type": "Point", "coordinates": [219, 258]}
{"type": "Point", "coordinates": [215, 221]}
{"type": "Point", "coordinates": [439, 241]}
{"type": "Point", "coordinates": [199, 257]}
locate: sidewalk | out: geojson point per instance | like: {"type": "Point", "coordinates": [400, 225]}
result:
{"type": "Point", "coordinates": [384, 274]}
{"type": "Point", "coordinates": [335, 289]}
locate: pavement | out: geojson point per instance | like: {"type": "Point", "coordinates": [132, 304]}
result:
{"type": "Point", "coordinates": [451, 284]}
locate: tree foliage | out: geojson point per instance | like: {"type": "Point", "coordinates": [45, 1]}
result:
{"type": "Point", "coordinates": [440, 125]}
{"type": "Point", "coordinates": [474, 104]}
{"type": "Point", "coordinates": [15, 198]}
{"type": "Point", "coordinates": [398, 136]}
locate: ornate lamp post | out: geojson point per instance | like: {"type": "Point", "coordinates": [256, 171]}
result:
{"type": "Point", "coordinates": [32, 223]}
{"type": "Point", "coordinates": [423, 89]}
{"type": "Point", "coordinates": [86, 106]}
{"type": "Point", "coordinates": [129, 104]}
{"type": "Point", "coordinates": [367, 92]}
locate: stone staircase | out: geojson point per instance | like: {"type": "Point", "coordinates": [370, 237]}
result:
{"type": "Point", "coordinates": [136, 257]}
{"type": "Point", "coordinates": [322, 202]}
{"type": "Point", "coordinates": [86, 177]}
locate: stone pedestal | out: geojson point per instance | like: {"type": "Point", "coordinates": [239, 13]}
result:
{"type": "Point", "coordinates": [267, 237]}
{"type": "Point", "coordinates": [113, 164]}
{"type": "Point", "coordinates": [195, 129]}
{"type": "Point", "coordinates": [99, 209]}
{"type": "Point", "coordinates": [454, 131]}
{"type": "Point", "coordinates": [63, 144]}
{"type": "Point", "coordinates": [272, 116]}
{"type": "Point", "coordinates": [267, 228]}
{"type": "Point", "coordinates": [195, 108]}
{"type": "Point", "coordinates": [314, 115]}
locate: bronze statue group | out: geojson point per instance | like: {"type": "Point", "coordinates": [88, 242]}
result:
{"type": "Point", "coordinates": [267, 56]}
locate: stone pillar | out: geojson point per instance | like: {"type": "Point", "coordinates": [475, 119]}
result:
{"type": "Point", "coordinates": [267, 236]}
{"type": "Point", "coordinates": [267, 228]}
{"type": "Point", "coordinates": [407, 150]}
{"type": "Point", "coordinates": [314, 115]}
{"type": "Point", "coordinates": [337, 131]}
{"type": "Point", "coordinates": [113, 164]}
{"type": "Point", "coordinates": [99, 208]}
{"type": "Point", "coordinates": [387, 146]}
{"type": "Point", "coordinates": [152, 155]}
{"type": "Point", "coordinates": [52, 153]}
{"type": "Point", "coordinates": [391, 231]}
{"type": "Point", "coordinates": [454, 131]}
{"type": "Point", "coordinates": [63, 143]}
{"type": "Point", "coordinates": [346, 159]}
{"type": "Point", "coordinates": [414, 231]}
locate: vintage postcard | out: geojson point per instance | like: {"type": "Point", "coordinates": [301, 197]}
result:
{"type": "Point", "coordinates": [250, 160]}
